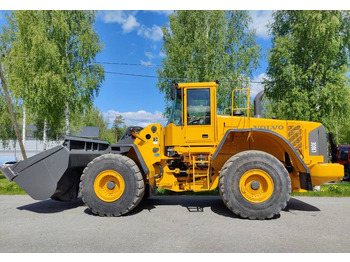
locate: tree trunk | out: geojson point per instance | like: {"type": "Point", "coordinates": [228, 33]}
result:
{"type": "Point", "coordinates": [13, 117]}
{"type": "Point", "coordinates": [24, 126]}
{"type": "Point", "coordinates": [45, 135]}
{"type": "Point", "coordinates": [66, 112]}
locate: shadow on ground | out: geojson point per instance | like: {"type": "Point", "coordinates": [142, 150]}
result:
{"type": "Point", "coordinates": [51, 206]}
{"type": "Point", "coordinates": [191, 203]}
{"type": "Point", "coordinates": [298, 205]}
{"type": "Point", "coordinates": [216, 205]}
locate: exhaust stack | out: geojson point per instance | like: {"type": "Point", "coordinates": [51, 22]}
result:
{"type": "Point", "coordinates": [257, 104]}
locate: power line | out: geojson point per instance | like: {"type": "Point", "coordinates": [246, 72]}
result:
{"type": "Point", "coordinates": [127, 63]}
{"type": "Point", "coordinates": [145, 65]}
{"type": "Point", "coordinates": [154, 65]}
{"type": "Point", "coordinates": [126, 74]}
{"type": "Point", "coordinates": [176, 79]}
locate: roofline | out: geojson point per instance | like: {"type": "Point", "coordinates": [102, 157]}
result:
{"type": "Point", "coordinates": [198, 84]}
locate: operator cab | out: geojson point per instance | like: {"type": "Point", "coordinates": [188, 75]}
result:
{"type": "Point", "coordinates": [198, 107]}
{"type": "Point", "coordinates": [193, 114]}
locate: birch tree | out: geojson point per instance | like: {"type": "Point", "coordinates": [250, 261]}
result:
{"type": "Point", "coordinates": [50, 62]}
{"type": "Point", "coordinates": [207, 46]}
{"type": "Point", "coordinates": [308, 66]}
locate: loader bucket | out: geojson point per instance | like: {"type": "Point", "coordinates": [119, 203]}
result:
{"type": "Point", "coordinates": [55, 173]}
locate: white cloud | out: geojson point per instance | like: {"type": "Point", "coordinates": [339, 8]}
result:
{"type": "Point", "coordinates": [256, 86]}
{"type": "Point", "coordinates": [140, 118]}
{"type": "Point", "coordinates": [130, 24]}
{"type": "Point", "coordinates": [127, 20]}
{"type": "Point", "coordinates": [116, 16]}
{"type": "Point", "coordinates": [155, 33]}
{"type": "Point", "coordinates": [260, 21]}
{"type": "Point", "coordinates": [149, 55]}
{"type": "Point", "coordinates": [148, 63]}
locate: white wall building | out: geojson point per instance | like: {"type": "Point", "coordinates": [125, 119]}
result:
{"type": "Point", "coordinates": [33, 146]}
{"type": "Point", "coordinates": [12, 152]}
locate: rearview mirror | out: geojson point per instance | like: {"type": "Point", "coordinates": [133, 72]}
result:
{"type": "Point", "coordinates": [173, 90]}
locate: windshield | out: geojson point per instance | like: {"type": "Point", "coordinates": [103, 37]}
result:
{"type": "Point", "coordinates": [198, 106]}
{"type": "Point", "coordinates": [176, 111]}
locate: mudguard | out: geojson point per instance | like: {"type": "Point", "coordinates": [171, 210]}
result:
{"type": "Point", "coordinates": [281, 140]}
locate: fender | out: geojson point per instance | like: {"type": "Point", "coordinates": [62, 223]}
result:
{"type": "Point", "coordinates": [124, 149]}
{"type": "Point", "coordinates": [277, 137]}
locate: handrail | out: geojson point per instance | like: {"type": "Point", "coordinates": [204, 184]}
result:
{"type": "Point", "coordinates": [243, 108]}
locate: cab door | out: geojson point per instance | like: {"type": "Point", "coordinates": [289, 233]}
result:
{"type": "Point", "coordinates": [199, 118]}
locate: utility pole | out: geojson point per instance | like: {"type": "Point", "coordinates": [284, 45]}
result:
{"type": "Point", "coordinates": [13, 118]}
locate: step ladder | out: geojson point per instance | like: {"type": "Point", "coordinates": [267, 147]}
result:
{"type": "Point", "coordinates": [197, 173]}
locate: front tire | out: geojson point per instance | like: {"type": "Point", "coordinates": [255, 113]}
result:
{"type": "Point", "coordinates": [112, 185]}
{"type": "Point", "coordinates": [254, 185]}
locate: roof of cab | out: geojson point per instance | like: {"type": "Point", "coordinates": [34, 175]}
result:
{"type": "Point", "coordinates": [198, 84]}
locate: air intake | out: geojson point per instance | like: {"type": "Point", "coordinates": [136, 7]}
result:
{"type": "Point", "coordinates": [257, 104]}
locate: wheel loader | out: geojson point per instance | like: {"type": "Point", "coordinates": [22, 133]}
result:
{"type": "Point", "coordinates": [254, 163]}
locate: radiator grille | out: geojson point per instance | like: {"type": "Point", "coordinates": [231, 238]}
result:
{"type": "Point", "coordinates": [295, 138]}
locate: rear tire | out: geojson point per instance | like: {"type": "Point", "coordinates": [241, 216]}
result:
{"type": "Point", "coordinates": [346, 175]}
{"type": "Point", "coordinates": [254, 185]}
{"type": "Point", "coordinates": [112, 185]}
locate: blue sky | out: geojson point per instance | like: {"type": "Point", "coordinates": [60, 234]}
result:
{"type": "Point", "coordinates": [135, 38]}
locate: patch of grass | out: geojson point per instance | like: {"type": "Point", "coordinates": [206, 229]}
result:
{"type": "Point", "coordinates": [340, 189]}
{"type": "Point", "coordinates": [9, 187]}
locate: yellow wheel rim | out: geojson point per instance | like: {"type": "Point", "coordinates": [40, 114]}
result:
{"type": "Point", "coordinates": [256, 186]}
{"type": "Point", "coordinates": [109, 185]}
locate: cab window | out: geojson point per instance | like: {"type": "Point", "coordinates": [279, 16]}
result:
{"type": "Point", "coordinates": [198, 106]}
{"type": "Point", "coordinates": [176, 111]}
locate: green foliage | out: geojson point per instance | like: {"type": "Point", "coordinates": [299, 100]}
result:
{"type": "Point", "coordinates": [118, 132]}
{"type": "Point", "coordinates": [7, 131]}
{"type": "Point", "coordinates": [49, 62]}
{"type": "Point", "coordinates": [308, 64]}
{"type": "Point", "coordinates": [206, 46]}
{"type": "Point", "coordinates": [108, 135]}
{"type": "Point", "coordinates": [93, 117]}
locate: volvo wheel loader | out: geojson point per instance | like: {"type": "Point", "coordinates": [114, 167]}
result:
{"type": "Point", "coordinates": [255, 163]}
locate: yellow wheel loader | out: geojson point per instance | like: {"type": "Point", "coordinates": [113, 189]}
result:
{"type": "Point", "coordinates": [255, 163]}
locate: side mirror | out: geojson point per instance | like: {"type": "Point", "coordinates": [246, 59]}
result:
{"type": "Point", "coordinates": [173, 91]}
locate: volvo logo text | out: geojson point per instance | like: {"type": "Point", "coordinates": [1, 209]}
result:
{"type": "Point", "coordinates": [272, 127]}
